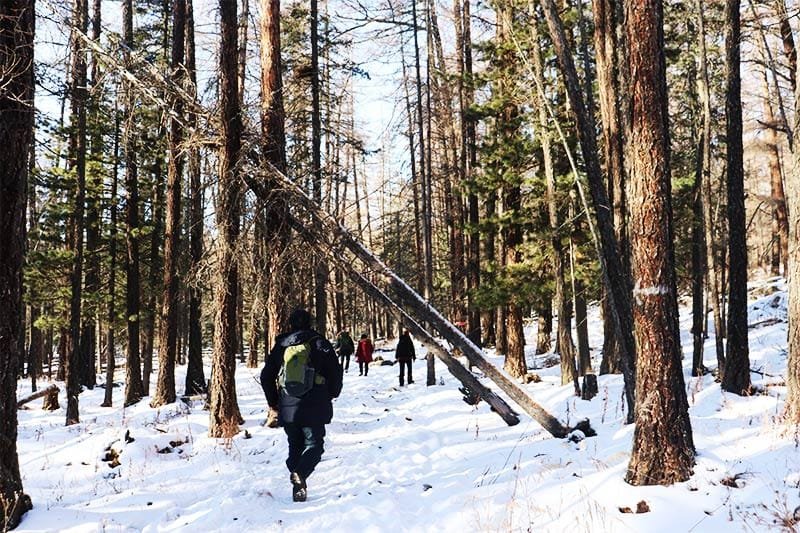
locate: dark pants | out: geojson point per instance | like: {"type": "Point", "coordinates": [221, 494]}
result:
{"type": "Point", "coordinates": [344, 361]}
{"type": "Point", "coordinates": [363, 368]}
{"type": "Point", "coordinates": [403, 366]}
{"type": "Point", "coordinates": [305, 448]}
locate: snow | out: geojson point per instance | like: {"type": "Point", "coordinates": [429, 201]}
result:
{"type": "Point", "coordinates": [418, 458]}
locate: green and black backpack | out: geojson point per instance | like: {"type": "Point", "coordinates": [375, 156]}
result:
{"type": "Point", "coordinates": [297, 376]}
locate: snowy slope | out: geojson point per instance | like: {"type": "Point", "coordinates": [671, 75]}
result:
{"type": "Point", "coordinates": [417, 458]}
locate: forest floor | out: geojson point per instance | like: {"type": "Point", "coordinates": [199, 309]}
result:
{"type": "Point", "coordinates": [418, 458]}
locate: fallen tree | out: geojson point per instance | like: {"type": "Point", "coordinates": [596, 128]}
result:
{"type": "Point", "coordinates": [38, 394]}
{"type": "Point", "coordinates": [331, 238]}
{"type": "Point", "coordinates": [473, 389]}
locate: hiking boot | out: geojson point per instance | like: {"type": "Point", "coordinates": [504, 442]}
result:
{"type": "Point", "coordinates": [298, 487]}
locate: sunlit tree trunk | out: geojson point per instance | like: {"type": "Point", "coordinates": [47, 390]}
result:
{"type": "Point", "coordinates": [224, 409]}
{"type": "Point", "coordinates": [168, 335]}
{"type": "Point", "coordinates": [663, 450]}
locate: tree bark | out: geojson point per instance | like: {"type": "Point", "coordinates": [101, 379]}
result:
{"type": "Point", "coordinates": [195, 375]}
{"type": "Point", "coordinates": [793, 207]}
{"type": "Point", "coordinates": [133, 372]}
{"type": "Point", "coordinates": [736, 377]}
{"type": "Point", "coordinates": [168, 334]}
{"type": "Point", "coordinates": [544, 326]}
{"type": "Point", "coordinates": [663, 450]}
{"type": "Point", "coordinates": [224, 410]}
{"type": "Point", "coordinates": [111, 349]}
{"type": "Point", "coordinates": [607, 17]}
{"type": "Point", "coordinates": [77, 165]}
{"type": "Point", "coordinates": [712, 264]}
{"type": "Point", "coordinates": [16, 136]}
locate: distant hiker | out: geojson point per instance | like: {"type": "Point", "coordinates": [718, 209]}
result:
{"type": "Point", "coordinates": [301, 377]}
{"type": "Point", "coordinates": [364, 354]}
{"type": "Point", "coordinates": [404, 354]}
{"type": "Point", "coordinates": [345, 348]}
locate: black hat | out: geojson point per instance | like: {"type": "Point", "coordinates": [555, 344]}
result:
{"type": "Point", "coordinates": [299, 319]}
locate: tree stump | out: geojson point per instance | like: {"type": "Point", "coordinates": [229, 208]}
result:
{"type": "Point", "coordinates": [50, 402]}
{"type": "Point", "coordinates": [589, 388]}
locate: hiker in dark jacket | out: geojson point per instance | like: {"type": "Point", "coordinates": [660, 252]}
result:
{"type": "Point", "coordinates": [404, 354]}
{"type": "Point", "coordinates": [345, 348]}
{"type": "Point", "coordinates": [303, 418]}
{"type": "Point", "coordinates": [364, 354]}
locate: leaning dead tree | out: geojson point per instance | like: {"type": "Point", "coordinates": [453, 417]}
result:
{"type": "Point", "coordinates": [319, 226]}
{"type": "Point", "coordinates": [474, 390]}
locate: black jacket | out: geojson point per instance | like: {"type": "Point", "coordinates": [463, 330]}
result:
{"type": "Point", "coordinates": [313, 408]}
{"type": "Point", "coordinates": [405, 348]}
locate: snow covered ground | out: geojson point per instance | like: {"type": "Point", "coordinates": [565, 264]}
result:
{"type": "Point", "coordinates": [417, 458]}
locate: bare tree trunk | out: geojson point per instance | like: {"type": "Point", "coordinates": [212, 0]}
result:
{"type": "Point", "coordinates": [111, 349]}
{"type": "Point", "coordinates": [155, 273]}
{"type": "Point", "coordinates": [274, 145]}
{"type": "Point", "coordinates": [787, 39]}
{"type": "Point", "coordinates": [663, 450]}
{"type": "Point", "coordinates": [699, 312]}
{"type": "Point", "coordinates": [168, 334]}
{"type": "Point", "coordinates": [224, 410]}
{"type": "Point", "coordinates": [736, 377]}
{"type": "Point", "coordinates": [607, 17]}
{"type": "Point", "coordinates": [320, 265]}
{"type": "Point", "coordinates": [793, 274]}
{"type": "Point", "coordinates": [16, 136]}
{"type": "Point", "coordinates": [544, 326]}
{"type": "Point", "coordinates": [78, 166]}
{"type": "Point", "coordinates": [133, 372]}
{"type": "Point", "coordinates": [195, 375]}
{"type": "Point", "coordinates": [712, 264]}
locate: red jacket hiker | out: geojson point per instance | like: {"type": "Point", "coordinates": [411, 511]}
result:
{"type": "Point", "coordinates": [364, 354]}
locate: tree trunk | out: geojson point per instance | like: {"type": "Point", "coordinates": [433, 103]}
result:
{"type": "Point", "coordinates": [224, 410]}
{"type": "Point", "coordinates": [168, 336]}
{"type": "Point", "coordinates": [195, 375]}
{"type": "Point", "coordinates": [320, 265]}
{"type": "Point", "coordinates": [544, 326]}
{"type": "Point", "coordinates": [77, 165]}
{"type": "Point", "coordinates": [156, 273]}
{"type": "Point", "coordinates": [111, 349]}
{"type": "Point", "coordinates": [607, 44]}
{"type": "Point", "coordinates": [133, 371]}
{"type": "Point", "coordinates": [712, 264]}
{"type": "Point", "coordinates": [16, 137]}
{"type": "Point", "coordinates": [699, 314]}
{"type": "Point", "coordinates": [736, 377]}
{"type": "Point", "coordinates": [663, 450]}
{"type": "Point", "coordinates": [274, 147]}
{"type": "Point", "coordinates": [793, 274]}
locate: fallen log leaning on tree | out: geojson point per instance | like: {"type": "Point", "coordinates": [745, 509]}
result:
{"type": "Point", "coordinates": [467, 379]}
{"type": "Point", "coordinates": [329, 231]}
{"type": "Point", "coordinates": [37, 394]}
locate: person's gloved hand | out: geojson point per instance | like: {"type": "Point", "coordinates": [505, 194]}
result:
{"type": "Point", "coordinates": [272, 418]}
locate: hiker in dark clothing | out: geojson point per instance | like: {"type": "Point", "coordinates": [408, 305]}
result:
{"type": "Point", "coordinates": [364, 354]}
{"type": "Point", "coordinates": [344, 347]}
{"type": "Point", "coordinates": [303, 414]}
{"type": "Point", "coordinates": [404, 354]}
